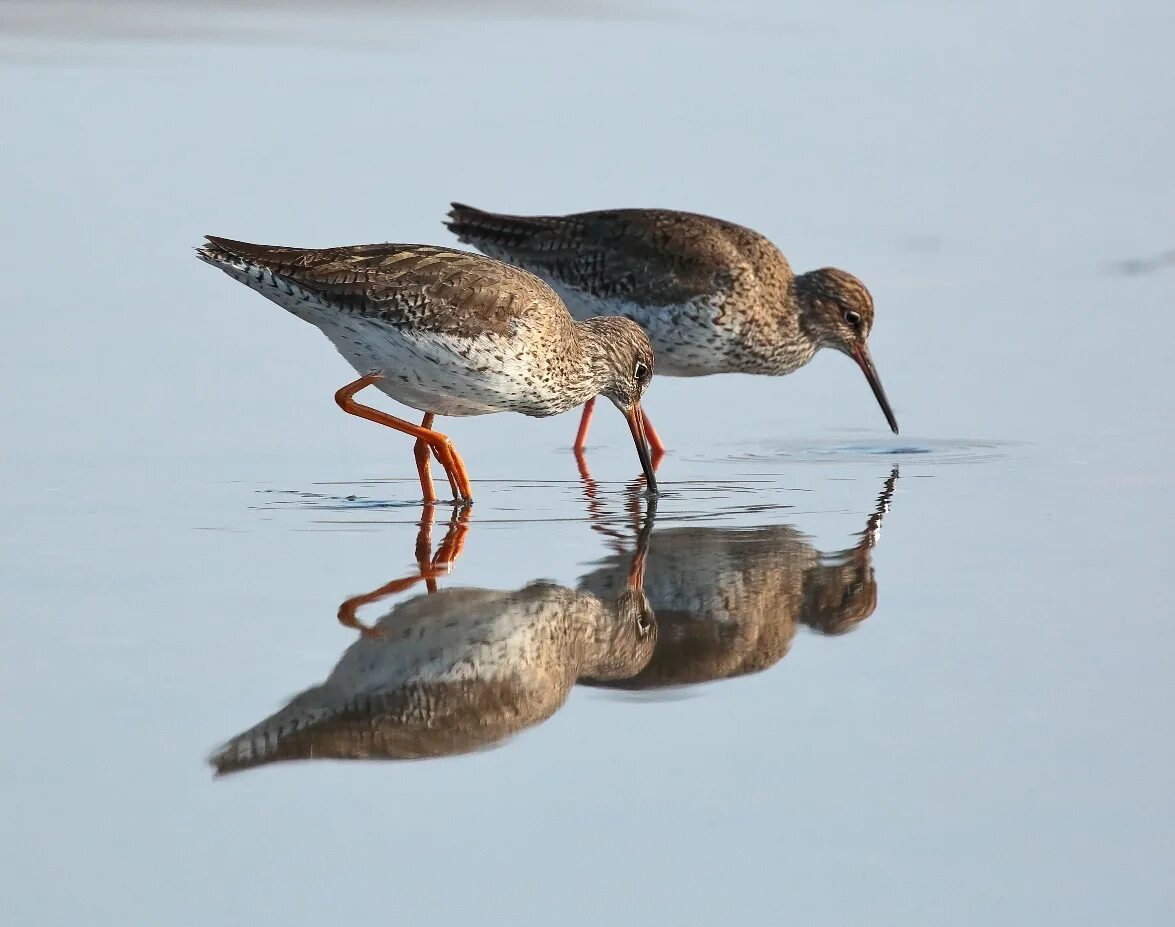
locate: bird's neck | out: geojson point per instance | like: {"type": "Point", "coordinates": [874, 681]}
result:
{"type": "Point", "coordinates": [604, 629]}
{"type": "Point", "coordinates": [805, 309]}
{"type": "Point", "coordinates": [588, 355]}
{"type": "Point", "coordinates": [791, 343]}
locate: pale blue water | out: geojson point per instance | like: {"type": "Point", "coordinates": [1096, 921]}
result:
{"type": "Point", "coordinates": [991, 745]}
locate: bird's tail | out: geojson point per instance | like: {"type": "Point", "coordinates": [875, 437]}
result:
{"type": "Point", "coordinates": [500, 235]}
{"type": "Point", "coordinates": [262, 743]}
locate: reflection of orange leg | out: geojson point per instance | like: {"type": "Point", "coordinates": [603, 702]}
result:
{"type": "Point", "coordinates": [428, 569]}
{"type": "Point", "coordinates": [424, 548]}
{"type": "Point", "coordinates": [440, 445]}
{"type": "Point", "coordinates": [349, 609]}
{"type": "Point", "coordinates": [454, 541]}
{"type": "Point", "coordinates": [584, 423]}
{"type": "Point", "coordinates": [584, 473]}
{"type": "Point", "coordinates": [597, 514]}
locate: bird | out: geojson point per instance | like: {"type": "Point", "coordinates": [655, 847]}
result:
{"type": "Point", "coordinates": [714, 297]}
{"type": "Point", "coordinates": [729, 601]}
{"type": "Point", "coordinates": [456, 670]}
{"type": "Point", "coordinates": [448, 332]}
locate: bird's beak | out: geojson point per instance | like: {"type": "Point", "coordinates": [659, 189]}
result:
{"type": "Point", "coordinates": [861, 355]}
{"type": "Point", "coordinates": [636, 424]}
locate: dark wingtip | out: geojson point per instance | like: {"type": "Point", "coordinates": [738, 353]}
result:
{"type": "Point", "coordinates": [206, 251]}
{"type": "Point", "coordinates": [225, 246]}
{"type": "Point", "coordinates": [455, 208]}
{"type": "Point", "coordinates": [459, 216]}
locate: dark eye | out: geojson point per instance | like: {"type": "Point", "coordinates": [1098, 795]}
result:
{"type": "Point", "coordinates": [641, 371]}
{"type": "Point", "coordinates": [644, 624]}
{"type": "Point", "coordinates": [853, 318]}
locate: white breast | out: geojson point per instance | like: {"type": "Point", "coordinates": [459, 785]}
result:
{"type": "Point", "coordinates": [429, 371]}
{"type": "Point", "coordinates": [435, 372]}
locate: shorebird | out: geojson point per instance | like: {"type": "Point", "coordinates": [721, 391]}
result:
{"type": "Point", "coordinates": [730, 600]}
{"type": "Point", "coordinates": [448, 333]}
{"type": "Point", "coordinates": [714, 297]}
{"type": "Point", "coordinates": [456, 671]}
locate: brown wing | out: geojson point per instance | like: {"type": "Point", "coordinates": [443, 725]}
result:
{"type": "Point", "coordinates": [437, 288]}
{"type": "Point", "coordinates": [650, 256]}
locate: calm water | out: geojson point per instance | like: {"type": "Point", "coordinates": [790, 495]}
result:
{"type": "Point", "coordinates": [956, 711]}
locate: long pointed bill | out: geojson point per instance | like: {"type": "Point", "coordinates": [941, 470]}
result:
{"type": "Point", "coordinates": [865, 362]}
{"type": "Point", "coordinates": [636, 424]}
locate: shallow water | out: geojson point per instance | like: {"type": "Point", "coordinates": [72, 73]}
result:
{"type": "Point", "coordinates": [957, 712]}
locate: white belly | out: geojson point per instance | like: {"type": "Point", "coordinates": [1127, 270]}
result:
{"type": "Point", "coordinates": [434, 372]}
{"type": "Point", "coordinates": [429, 371]}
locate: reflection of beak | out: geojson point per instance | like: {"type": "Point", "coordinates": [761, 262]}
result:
{"type": "Point", "coordinates": [865, 362]}
{"type": "Point", "coordinates": [636, 424]}
{"type": "Point", "coordinates": [636, 569]}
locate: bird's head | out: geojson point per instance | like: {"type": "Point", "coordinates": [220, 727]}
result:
{"type": "Point", "coordinates": [836, 311]}
{"type": "Point", "coordinates": [626, 369]}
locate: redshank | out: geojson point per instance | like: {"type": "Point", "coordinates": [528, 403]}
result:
{"type": "Point", "coordinates": [449, 333]}
{"type": "Point", "coordinates": [714, 297]}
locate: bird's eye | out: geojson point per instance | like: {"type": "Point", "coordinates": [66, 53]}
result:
{"type": "Point", "coordinates": [853, 318]}
{"type": "Point", "coordinates": [644, 624]}
{"type": "Point", "coordinates": [641, 371]}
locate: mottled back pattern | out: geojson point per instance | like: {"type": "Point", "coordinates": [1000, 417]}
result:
{"type": "Point", "coordinates": [435, 289]}
{"type": "Point", "coordinates": [449, 332]}
{"type": "Point", "coordinates": [653, 257]}
{"type": "Point", "coordinates": [714, 297]}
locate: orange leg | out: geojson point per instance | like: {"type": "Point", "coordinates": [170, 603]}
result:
{"type": "Point", "coordinates": [422, 459]}
{"type": "Point", "coordinates": [584, 424]}
{"type": "Point", "coordinates": [655, 444]}
{"type": "Point", "coordinates": [454, 469]}
{"type": "Point", "coordinates": [438, 443]}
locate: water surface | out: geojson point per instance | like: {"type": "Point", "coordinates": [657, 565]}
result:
{"type": "Point", "coordinates": [954, 713]}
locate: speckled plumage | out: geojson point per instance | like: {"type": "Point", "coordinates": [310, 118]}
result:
{"type": "Point", "coordinates": [449, 333]}
{"type": "Point", "coordinates": [452, 672]}
{"type": "Point", "coordinates": [453, 333]}
{"type": "Point", "coordinates": [729, 600]}
{"type": "Point", "coordinates": [714, 297]}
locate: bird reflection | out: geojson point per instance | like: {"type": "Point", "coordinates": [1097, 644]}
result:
{"type": "Point", "coordinates": [456, 670]}
{"type": "Point", "coordinates": [728, 600]}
